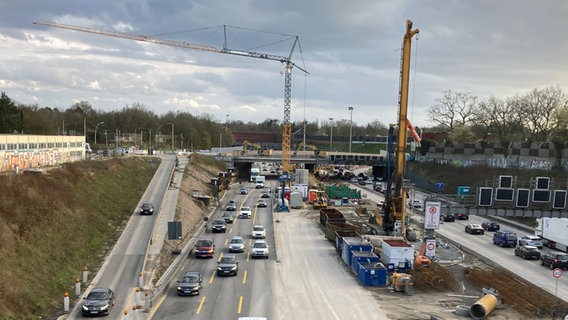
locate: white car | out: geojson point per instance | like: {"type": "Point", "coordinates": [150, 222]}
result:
{"type": "Point", "coordinates": [531, 241]}
{"type": "Point", "coordinates": [260, 249]}
{"type": "Point", "coordinates": [258, 232]}
{"type": "Point", "coordinates": [245, 213]}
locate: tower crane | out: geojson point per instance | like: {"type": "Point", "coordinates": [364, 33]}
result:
{"type": "Point", "coordinates": [287, 61]}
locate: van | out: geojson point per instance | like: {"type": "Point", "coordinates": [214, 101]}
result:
{"type": "Point", "coordinates": [505, 238]}
{"type": "Point", "coordinates": [205, 247]}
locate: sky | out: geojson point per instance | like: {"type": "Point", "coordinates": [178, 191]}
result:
{"type": "Point", "coordinates": [350, 49]}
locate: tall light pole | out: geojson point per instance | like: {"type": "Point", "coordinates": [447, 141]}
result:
{"type": "Point", "coordinates": [350, 127]}
{"type": "Point", "coordinates": [96, 127]}
{"type": "Point", "coordinates": [330, 133]}
{"type": "Point", "coordinates": [221, 134]}
{"type": "Point", "coordinates": [173, 148]}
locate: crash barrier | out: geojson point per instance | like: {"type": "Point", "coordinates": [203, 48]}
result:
{"type": "Point", "coordinates": [482, 307]}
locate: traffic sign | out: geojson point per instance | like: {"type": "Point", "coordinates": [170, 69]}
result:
{"type": "Point", "coordinates": [439, 185]}
{"type": "Point", "coordinates": [557, 273]}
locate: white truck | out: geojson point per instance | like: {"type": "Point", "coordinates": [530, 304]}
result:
{"type": "Point", "coordinates": [259, 182]}
{"type": "Point", "coordinates": [254, 172]}
{"type": "Point", "coordinates": [554, 232]}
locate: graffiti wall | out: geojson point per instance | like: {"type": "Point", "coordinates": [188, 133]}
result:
{"type": "Point", "coordinates": [31, 159]}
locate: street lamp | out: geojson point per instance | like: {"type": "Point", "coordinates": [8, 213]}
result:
{"type": "Point", "coordinates": [330, 133]}
{"type": "Point", "coordinates": [350, 127]}
{"type": "Point", "coordinates": [221, 134]}
{"type": "Point", "coordinates": [172, 135]}
{"type": "Point", "coordinates": [96, 127]}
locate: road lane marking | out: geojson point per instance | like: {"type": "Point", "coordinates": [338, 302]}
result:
{"type": "Point", "coordinates": [212, 277]}
{"type": "Point", "coordinates": [245, 277]}
{"type": "Point", "coordinates": [200, 305]}
{"type": "Point", "coordinates": [240, 305]}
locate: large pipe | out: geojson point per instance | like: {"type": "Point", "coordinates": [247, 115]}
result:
{"type": "Point", "coordinates": [483, 306]}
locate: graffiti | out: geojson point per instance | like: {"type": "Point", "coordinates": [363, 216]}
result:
{"type": "Point", "coordinates": [540, 164]}
{"type": "Point", "coordinates": [31, 159]}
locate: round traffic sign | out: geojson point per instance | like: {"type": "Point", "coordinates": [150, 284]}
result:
{"type": "Point", "coordinates": [433, 210]}
{"type": "Point", "coordinates": [430, 246]}
{"type": "Point", "coordinates": [557, 273]}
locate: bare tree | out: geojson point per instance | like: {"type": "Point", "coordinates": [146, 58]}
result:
{"type": "Point", "coordinates": [502, 120]}
{"type": "Point", "coordinates": [453, 109]}
{"type": "Point", "coordinates": [538, 109]}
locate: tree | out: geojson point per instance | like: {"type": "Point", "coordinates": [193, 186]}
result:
{"type": "Point", "coordinates": [502, 120]}
{"type": "Point", "coordinates": [461, 134]}
{"type": "Point", "coordinates": [538, 109]}
{"type": "Point", "coordinates": [11, 118]}
{"type": "Point", "coordinates": [453, 109]}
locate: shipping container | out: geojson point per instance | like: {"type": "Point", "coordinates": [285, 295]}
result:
{"type": "Point", "coordinates": [397, 254]}
{"type": "Point", "coordinates": [362, 257]}
{"type": "Point", "coordinates": [331, 215]}
{"type": "Point", "coordinates": [349, 230]}
{"type": "Point", "coordinates": [341, 191]}
{"type": "Point", "coordinates": [372, 274]}
{"type": "Point", "coordinates": [353, 244]}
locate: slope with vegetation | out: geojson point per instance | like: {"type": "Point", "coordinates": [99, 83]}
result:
{"type": "Point", "coordinates": [54, 224]}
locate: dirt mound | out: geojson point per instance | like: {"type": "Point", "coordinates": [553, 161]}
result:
{"type": "Point", "coordinates": [434, 278]}
{"type": "Point", "coordinates": [528, 300]}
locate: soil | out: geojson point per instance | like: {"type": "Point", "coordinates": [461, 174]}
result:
{"type": "Point", "coordinates": [438, 289]}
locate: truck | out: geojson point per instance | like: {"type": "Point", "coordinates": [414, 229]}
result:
{"type": "Point", "coordinates": [259, 182]}
{"type": "Point", "coordinates": [254, 172]}
{"type": "Point", "coordinates": [554, 232]}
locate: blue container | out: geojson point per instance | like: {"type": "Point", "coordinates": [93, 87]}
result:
{"type": "Point", "coordinates": [353, 244]}
{"type": "Point", "coordinates": [362, 257]}
{"type": "Point", "coordinates": [372, 274]}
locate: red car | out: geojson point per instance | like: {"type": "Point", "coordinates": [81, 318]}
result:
{"type": "Point", "coordinates": [461, 216]}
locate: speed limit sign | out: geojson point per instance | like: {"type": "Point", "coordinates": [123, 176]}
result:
{"type": "Point", "coordinates": [557, 273]}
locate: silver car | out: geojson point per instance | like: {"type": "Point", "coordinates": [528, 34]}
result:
{"type": "Point", "coordinates": [237, 244]}
{"type": "Point", "coordinates": [260, 249]}
{"type": "Point", "coordinates": [531, 241]}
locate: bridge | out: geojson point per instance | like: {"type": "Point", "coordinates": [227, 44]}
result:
{"type": "Point", "coordinates": [242, 161]}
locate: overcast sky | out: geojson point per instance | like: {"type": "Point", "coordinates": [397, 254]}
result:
{"type": "Point", "coordinates": [351, 49]}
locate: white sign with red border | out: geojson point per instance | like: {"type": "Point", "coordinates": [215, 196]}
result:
{"type": "Point", "coordinates": [432, 215]}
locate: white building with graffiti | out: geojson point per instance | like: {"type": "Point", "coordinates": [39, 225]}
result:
{"type": "Point", "coordinates": [24, 152]}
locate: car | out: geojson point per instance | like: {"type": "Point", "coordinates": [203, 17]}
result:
{"type": "Point", "coordinates": [461, 216]}
{"type": "Point", "coordinates": [237, 244]}
{"type": "Point", "coordinates": [219, 225]}
{"type": "Point", "coordinates": [231, 206]}
{"type": "Point", "coordinates": [265, 195]}
{"type": "Point", "coordinates": [260, 249]}
{"type": "Point", "coordinates": [99, 301]}
{"type": "Point", "coordinates": [448, 217]}
{"type": "Point", "coordinates": [258, 232]}
{"type": "Point", "coordinates": [555, 260]}
{"type": "Point", "coordinates": [490, 225]}
{"type": "Point", "coordinates": [474, 228]}
{"type": "Point", "coordinates": [417, 204]}
{"type": "Point", "coordinates": [147, 208]}
{"type": "Point", "coordinates": [228, 265]}
{"type": "Point", "coordinates": [205, 247]}
{"type": "Point", "coordinates": [261, 204]}
{"type": "Point", "coordinates": [505, 238]}
{"type": "Point", "coordinates": [245, 213]}
{"type": "Point", "coordinates": [243, 191]}
{"type": "Point", "coordinates": [530, 241]}
{"type": "Point", "coordinates": [228, 217]}
{"type": "Point", "coordinates": [527, 252]}
{"type": "Point", "coordinates": [189, 284]}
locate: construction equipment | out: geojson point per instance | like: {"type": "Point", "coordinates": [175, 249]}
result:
{"type": "Point", "coordinates": [247, 144]}
{"type": "Point", "coordinates": [394, 210]}
{"type": "Point", "coordinates": [320, 201]}
{"type": "Point", "coordinates": [302, 145]}
{"type": "Point", "coordinates": [287, 61]}
{"type": "Point", "coordinates": [401, 282]}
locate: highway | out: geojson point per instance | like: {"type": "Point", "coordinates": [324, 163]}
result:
{"type": "Point", "coordinates": [121, 268]}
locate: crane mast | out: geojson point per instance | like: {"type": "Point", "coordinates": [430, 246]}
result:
{"type": "Point", "coordinates": [396, 210]}
{"type": "Point", "coordinates": [287, 61]}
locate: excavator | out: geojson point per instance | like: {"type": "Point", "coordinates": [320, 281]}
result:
{"type": "Point", "coordinates": [246, 145]}
{"type": "Point", "coordinates": [309, 146]}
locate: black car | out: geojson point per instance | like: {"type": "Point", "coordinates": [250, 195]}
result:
{"type": "Point", "coordinates": [228, 217]}
{"type": "Point", "coordinates": [147, 208]}
{"type": "Point", "coordinates": [491, 225]}
{"type": "Point", "coordinates": [219, 225]}
{"type": "Point", "coordinates": [448, 218]}
{"type": "Point", "coordinates": [474, 229]}
{"type": "Point", "coordinates": [555, 260]}
{"type": "Point", "coordinates": [99, 301]}
{"type": "Point", "coordinates": [231, 206]}
{"type": "Point", "coordinates": [461, 216]}
{"type": "Point", "coordinates": [527, 252]}
{"type": "Point", "coordinates": [265, 195]}
{"type": "Point", "coordinates": [228, 265]}
{"type": "Point", "coordinates": [189, 284]}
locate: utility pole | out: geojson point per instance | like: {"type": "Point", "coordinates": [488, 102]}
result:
{"type": "Point", "coordinates": [350, 127]}
{"type": "Point", "coordinates": [330, 133]}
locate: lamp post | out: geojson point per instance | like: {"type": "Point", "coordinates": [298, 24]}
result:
{"type": "Point", "coordinates": [350, 127]}
{"type": "Point", "coordinates": [221, 134]}
{"type": "Point", "coordinates": [96, 127]}
{"type": "Point", "coordinates": [330, 133]}
{"type": "Point", "coordinates": [173, 144]}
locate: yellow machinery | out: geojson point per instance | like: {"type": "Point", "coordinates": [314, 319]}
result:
{"type": "Point", "coordinates": [320, 201]}
{"type": "Point", "coordinates": [401, 282]}
{"type": "Point", "coordinates": [309, 146]}
{"type": "Point", "coordinates": [287, 61]}
{"type": "Point", "coordinates": [247, 144]}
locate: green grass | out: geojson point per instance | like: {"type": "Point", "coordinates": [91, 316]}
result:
{"type": "Point", "coordinates": [53, 225]}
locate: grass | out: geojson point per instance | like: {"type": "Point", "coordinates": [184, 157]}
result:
{"type": "Point", "coordinates": [52, 225]}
